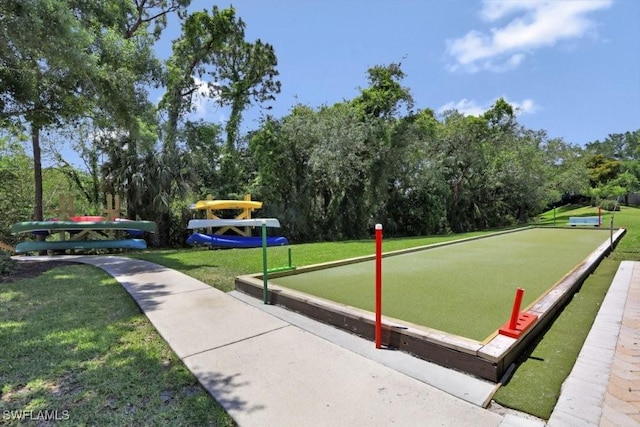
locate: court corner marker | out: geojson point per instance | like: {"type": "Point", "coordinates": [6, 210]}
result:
{"type": "Point", "coordinates": [520, 321]}
{"type": "Point", "coordinates": [524, 322]}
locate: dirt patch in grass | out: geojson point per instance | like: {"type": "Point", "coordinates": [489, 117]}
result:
{"type": "Point", "coordinates": [29, 269]}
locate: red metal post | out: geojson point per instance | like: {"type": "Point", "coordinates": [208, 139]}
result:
{"type": "Point", "coordinates": [515, 313]}
{"type": "Point", "coordinates": [378, 331]}
{"type": "Point", "coordinates": [599, 216]}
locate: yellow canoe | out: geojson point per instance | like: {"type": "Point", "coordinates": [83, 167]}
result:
{"type": "Point", "coordinates": [227, 204]}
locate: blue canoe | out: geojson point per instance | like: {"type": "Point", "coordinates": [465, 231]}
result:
{"type": "Point", "coordinates": [234, 241]}
{"type": "Point", "coordinates": [80, 244]}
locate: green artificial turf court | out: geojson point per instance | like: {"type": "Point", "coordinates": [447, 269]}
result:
{"type": "Point", "coordinates": [466, 288]}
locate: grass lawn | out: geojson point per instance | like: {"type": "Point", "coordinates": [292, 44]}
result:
{"type": "Point", "coordinates": [73, 339]}
{"type": "Point", "coordinates": [75, 346]}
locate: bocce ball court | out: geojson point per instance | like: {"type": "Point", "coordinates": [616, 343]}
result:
{"type": "Point", "coordinates": [450, 303]}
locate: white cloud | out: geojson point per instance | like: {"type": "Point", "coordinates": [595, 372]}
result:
{"type": "Point", "coordinates": [464, 106]}
{"type": "Point", "coordinates": [534, 24]}
{"type": "Point", "coordinates": [469, 107]}
{"type": "Point", "coordinates": [526, 106]}
{"type": "Point", "coordinates": [203, 103]}
{"type": "Point", "coordinates": [496, 9]}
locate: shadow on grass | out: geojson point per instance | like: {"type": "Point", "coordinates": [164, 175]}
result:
{"type": "Point", "coordinates": [148, 283]}
{"type": "Point", "coordinates": [146, 262]}
{"type": "Point", "coordinates": [168, 259]}
{"type": "Point", "coordinates": [73, 340]}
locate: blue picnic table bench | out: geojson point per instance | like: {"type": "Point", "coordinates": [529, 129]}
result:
{"type": "Point", "coordinates": [584, 220]}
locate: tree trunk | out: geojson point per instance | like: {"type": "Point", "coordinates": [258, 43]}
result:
{"type": "Point", "coordinates": [164, 230]}
{"type": "Point", "coordinates": [37, 170]}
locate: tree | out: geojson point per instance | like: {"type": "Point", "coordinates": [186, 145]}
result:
{"type": "Point", "coordinates": [205, 143]}
{"type": "Point", "coordinates": [417, 192]}
{"type": "Point", "coordinates": [141, 13]}
{"type": "Point", "coordinates": [212, 53]}
{"type": "Point", "coordinates": [340, 163]}
{"type": "Point", "coordinates": [314, 166]}
{"type": "Point", "coordinates": [282, 149]}
{"type": "Point", "coordinates": [68, 61]}
{"type": "Point", "coordinates": [625, 183]}
{"type": "Point", "coordinates": [501, 116]}
{"type": "Point", "coordinates": [87, 180]}
{"type": "Point", "coordinates": [245, 73]}
{"type": "Point", "coordinates": [601, 169]}
{"type": "Point", "coordinates": [517, 178]}
{"type": "Point", "coordinates": [460, 153]}
{"type": "Point", "coordinates": [385, 95]}
{"type": "Point", "coordinates": [202, 36]}
{"type": "Point", "coordinates": [16, 183]}
{"type": "Point", "coordinates": [41, 84]}
{"type": "Point", "coordinates": [618, 146]}
{"type": "Point", "coordinates": [623, 148]}
{"type": "Point", "coordinates": [380, 106]}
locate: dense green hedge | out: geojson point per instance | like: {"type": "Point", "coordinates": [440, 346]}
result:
{"type": "Point", "coordinates": [610, 205]}
{"type": "Point", "coordinates": [6, 263]}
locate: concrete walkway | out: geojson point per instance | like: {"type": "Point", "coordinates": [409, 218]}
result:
{"type": "Point", "coordinates": [268, 366]}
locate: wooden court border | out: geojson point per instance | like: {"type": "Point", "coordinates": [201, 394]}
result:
{"type": "Point", "coordinates": [489, 359]}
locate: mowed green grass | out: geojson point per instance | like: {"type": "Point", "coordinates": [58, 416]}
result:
{"type": "Point", "coordinates": [73, 341]}
{"type": "Point", "coordinates": [466, 288]}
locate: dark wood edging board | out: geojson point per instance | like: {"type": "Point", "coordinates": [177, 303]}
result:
{"type": "Point", "coordinates": [489, 360]}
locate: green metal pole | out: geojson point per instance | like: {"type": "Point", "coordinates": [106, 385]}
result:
{"type": "Point", "coordinates": [289, 257]}
{"type": "Point", "coordinates": [265, 278]}
{"type": "Point", "coordinates": [554, 216]}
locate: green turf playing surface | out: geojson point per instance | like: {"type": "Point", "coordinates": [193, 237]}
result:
{"type": "Point", "coordinates": [466, 288]}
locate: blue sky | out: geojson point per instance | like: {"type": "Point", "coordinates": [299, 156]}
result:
{"type": "Point", "coordinates": [571, 67]}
